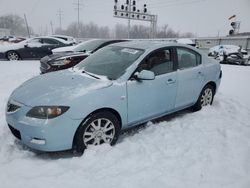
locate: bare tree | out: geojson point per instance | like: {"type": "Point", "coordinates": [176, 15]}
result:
{"type": "Point", "coordinates": [120, 31]}
{"type": "Point", "coordinates": [140, 32]}
{"type": "Point", "coordinates": [92, 30]}
{"type": "Point", "coordinates": [15, 23]}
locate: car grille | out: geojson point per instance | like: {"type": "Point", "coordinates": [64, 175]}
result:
{"type": "Point", "coordinates": [43, 62]}
{"type": "Point", "coordinates": [15, 132]}
{"type": "Point", "coordinates": [12, 107]}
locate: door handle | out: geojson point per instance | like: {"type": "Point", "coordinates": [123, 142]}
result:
{"type": "Point", "coordinates": [170, 81]}
{"type": "Point", "coordinates": [200, 73]}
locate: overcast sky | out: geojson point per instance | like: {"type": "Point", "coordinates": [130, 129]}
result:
{"type": "Point", "coordinates": [201, 17]}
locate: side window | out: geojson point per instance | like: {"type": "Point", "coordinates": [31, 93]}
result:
{"type": "Point", "coordinates": [187, 58]}
{"type": "Point", "coordinates": [160, 62]}
{"type": "Point", "coordinates": [35, 41]}
{"type": "Point", "coordinates": [50, 41]}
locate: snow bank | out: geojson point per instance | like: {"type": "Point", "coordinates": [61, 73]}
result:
{"type": "Point", "coordinates": [206, 149]}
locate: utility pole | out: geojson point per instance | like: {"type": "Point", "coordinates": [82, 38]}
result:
{"type": "Point", "coordinates": [27, 26]}
{"type": "Point", "coordinates": [51, 26]}
{"type": "Point", "coordinates": [129, 18]}
{"type": "Point", "coordinates": [78, 5]}
{"type": "Point", "coordinates": [60, 13]}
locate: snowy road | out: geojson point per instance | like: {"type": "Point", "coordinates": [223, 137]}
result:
{"type": "Point", "coordinates": [206, 149]}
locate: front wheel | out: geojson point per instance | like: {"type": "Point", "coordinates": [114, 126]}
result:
{"type": "Point", "coordinates": [206, 97]}
{"type": "Point", "coordinates": [99, 128]}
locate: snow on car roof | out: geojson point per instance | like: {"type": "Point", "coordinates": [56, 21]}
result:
{"type": "Point", "coordinates": [185, 41]}
{"type": "Point", "coordinates": [64, 36]}
{"type": "Point", "coordinates": [47, 37]}
{"type": "Point", "coordinates": [147, 45]}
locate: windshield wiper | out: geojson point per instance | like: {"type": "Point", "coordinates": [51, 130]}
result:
{"type": "Point", "coordinates": [82, 51]}
{"type": "Point", "coordinates": [91, 75]}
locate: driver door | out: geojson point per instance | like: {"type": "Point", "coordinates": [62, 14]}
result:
{"type": "Point", "coordinates": [149, 99]}
{"type": "Point", "coordinates": [30, 49]}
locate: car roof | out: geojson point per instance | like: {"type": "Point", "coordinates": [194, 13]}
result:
{"type": "Point", "coordinates": [106, 40]}
{"type": "Point", "coordinates": [47, 37]}
{"type": "Point", "coordinates": [148, 44]}
{"type": "Point", "coordinates": [62, 36]}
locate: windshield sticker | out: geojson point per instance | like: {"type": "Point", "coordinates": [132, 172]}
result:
{"type": "Point", "coordinates": [129, 50]}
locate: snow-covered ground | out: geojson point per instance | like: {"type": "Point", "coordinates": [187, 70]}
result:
{"type": "Point", "coordinates": [206, 149]}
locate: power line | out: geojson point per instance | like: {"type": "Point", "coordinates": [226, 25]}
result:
{"type": "Point", "coordinates": [163, 2]}
{"type": "Point", "coordinates": [174, 3]}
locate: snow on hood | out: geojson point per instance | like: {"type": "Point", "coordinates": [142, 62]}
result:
{"type": "Point", "coordinates": [11, 46]}
{"type": "Point", "coordinates": [57, 88]}
{"type": "Point", "coordinates": [63, 49]}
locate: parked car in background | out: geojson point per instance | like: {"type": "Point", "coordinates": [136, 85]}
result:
{"type": "Point", "coordinates": [186, 41]}
{"type": "Point", "coordinates": [230, 54]}
{"type": "Point", "coordinates": [12, 39]}
{"type": "Point", "coordinates": [70, 56]}
{"type": "Point", "coordinates": [225, 49]}
{"type": "Point", "coordinates": [34, 48]}
{"type": "Point", "coordinates": [69, 39]}
{"type": "Point", "coordinates": [118, 87]}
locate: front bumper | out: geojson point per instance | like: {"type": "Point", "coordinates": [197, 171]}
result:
{"type": "Point", "coordinates": [2, 56]}
{"type": "Point", "coordinates": [55, 134]}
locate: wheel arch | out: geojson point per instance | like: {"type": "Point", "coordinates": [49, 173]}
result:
{"type": "Point", "coordinates": [111, 110]}
{"type": "Point", "coordinates": [213, 84]}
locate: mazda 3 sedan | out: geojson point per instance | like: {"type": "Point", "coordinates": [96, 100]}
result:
{"type": "Point", "coordinates": [120, 86]}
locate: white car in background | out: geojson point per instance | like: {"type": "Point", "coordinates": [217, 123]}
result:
{"type": "Point", "coordinates": [230, 54]}
{"type": "Point", "coordinates": [69, 39]}
{"type": "Point", "coordinates": [186, 41]}
{"type": "Point", "coordinates": [225, 49]}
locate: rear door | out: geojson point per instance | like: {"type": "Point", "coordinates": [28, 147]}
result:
{"type": "Point", "coordinates": [190, 77]}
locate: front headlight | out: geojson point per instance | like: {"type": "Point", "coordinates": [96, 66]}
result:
{"type": "Point", "coordinates": [61, 62]}
{"type": "Point", "coordinates": [47, 112]}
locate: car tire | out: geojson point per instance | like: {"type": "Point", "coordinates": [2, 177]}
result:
{"type": "Point", "coordinates": [206, 97]}
{"type": "Point", "coordinates": [12, 56]}
{"type": "Point", "coordinates": [98, 128]}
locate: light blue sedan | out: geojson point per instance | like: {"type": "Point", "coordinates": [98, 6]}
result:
{"type": "Point", "coordinates": [118, 87]}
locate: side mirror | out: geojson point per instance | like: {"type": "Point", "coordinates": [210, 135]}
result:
{"type": "Point", "coordinates": [145, 75]}
{"type": "Point", "coordinates": [26, 45]}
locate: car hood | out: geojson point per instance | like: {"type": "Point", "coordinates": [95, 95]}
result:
{"type": "Point", "coordinates": [57, 88]}
{"type": "Point", "coordinates": [64, 55]}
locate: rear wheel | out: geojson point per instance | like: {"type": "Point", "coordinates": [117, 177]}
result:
{"type": "Point", "coordinates": [99, 128]}
{"type": "Point", "coordinates": [13, 56]}
{"type": "Point", "coordinates": [206, 97]}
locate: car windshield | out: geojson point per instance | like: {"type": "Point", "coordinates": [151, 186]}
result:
{"type": "Point", "coordinates": [90, 45]}
{"type": "Point", "coordinates": [111, 61]}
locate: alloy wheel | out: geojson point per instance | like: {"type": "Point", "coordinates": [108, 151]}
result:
{"type": "Point", "coordinates": [98, 132]}
{"type": "Point", "coordinates": [12, 56]}
{"type": "Point", "coordinates": [207, 97]}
